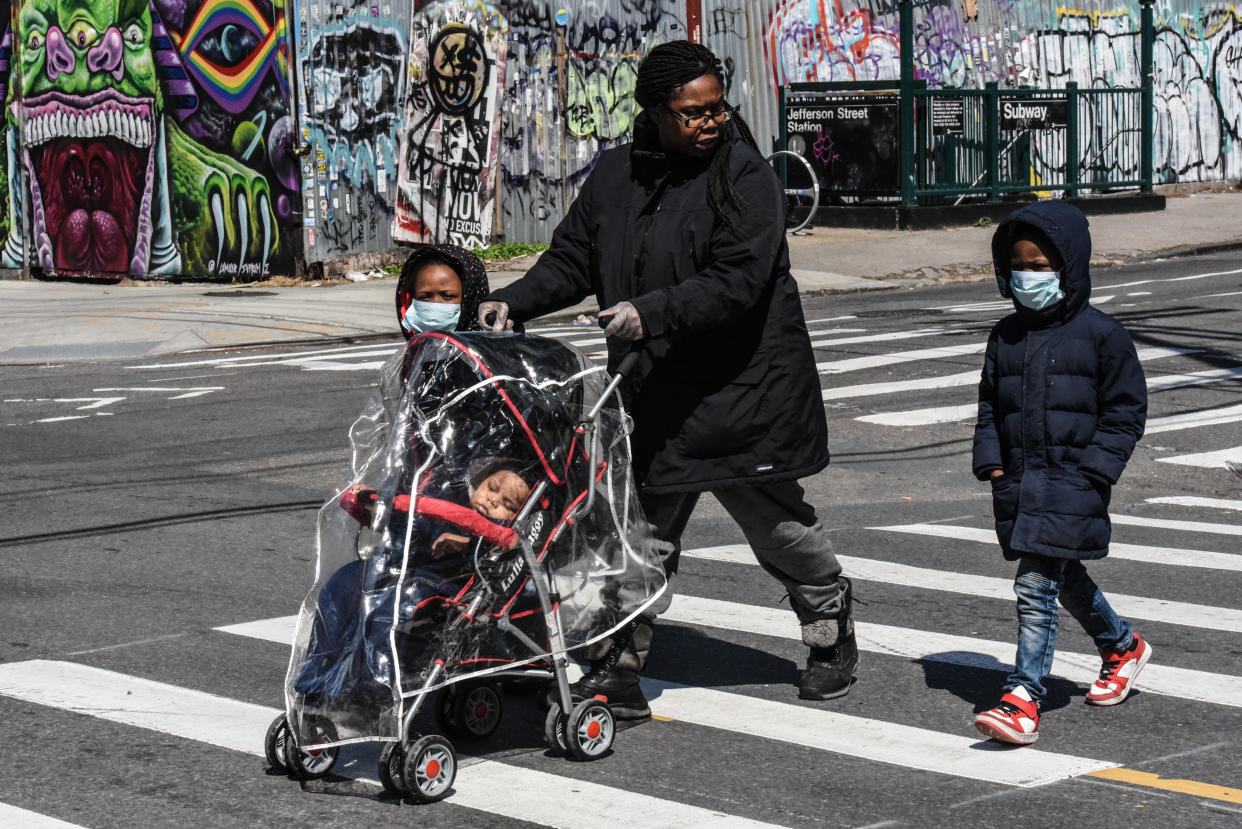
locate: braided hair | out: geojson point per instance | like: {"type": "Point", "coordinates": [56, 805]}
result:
{"type": "Point", "coordinates": [665, 70]}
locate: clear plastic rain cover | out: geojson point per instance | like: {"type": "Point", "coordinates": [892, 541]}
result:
{"type": "Point", "coordinates": [474, 460]}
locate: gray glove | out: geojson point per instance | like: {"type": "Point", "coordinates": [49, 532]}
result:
{"type": "Point", "coordinates": [501, 310]}
{"type": "Point", "coordinates": [626, 323]}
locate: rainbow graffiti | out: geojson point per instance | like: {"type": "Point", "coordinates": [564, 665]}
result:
{"type": "Point", "coordinates": [234, 87]}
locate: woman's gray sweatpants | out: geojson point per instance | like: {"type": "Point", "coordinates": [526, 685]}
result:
{"type": "Point", "coordinates": [784, 534]}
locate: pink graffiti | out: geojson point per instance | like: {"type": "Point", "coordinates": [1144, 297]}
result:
{"type": "Point", "coordinates": [825, 148]}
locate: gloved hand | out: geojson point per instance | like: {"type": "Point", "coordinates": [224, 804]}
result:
{"type": "Point", "coordinates": [625, 323]}
{"type": "Point", "coordinates": [501, 310]}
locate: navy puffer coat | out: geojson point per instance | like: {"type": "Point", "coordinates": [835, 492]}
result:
{"type": "Point", "coordinates": [1062, 402]}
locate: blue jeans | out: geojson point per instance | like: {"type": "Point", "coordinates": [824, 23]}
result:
{"type": "Point", "coordinates": [1040, 582]}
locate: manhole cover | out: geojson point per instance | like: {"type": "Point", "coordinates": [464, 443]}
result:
{"type": "Point", "coordinates": [898, 312]}
{"type": "Point", "coordinates": [239, 293]}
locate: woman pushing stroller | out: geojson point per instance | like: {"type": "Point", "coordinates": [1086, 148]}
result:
{"type": "Point", "coordinates": [680, 235]}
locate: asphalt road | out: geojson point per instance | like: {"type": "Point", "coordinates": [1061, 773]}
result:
{"type": "Point", "coordinates": [149, 504]}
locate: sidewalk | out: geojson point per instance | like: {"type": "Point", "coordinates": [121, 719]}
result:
{"type": "Point", "coordinates": [54, 321]}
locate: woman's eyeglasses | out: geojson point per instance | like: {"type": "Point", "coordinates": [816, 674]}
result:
{"type": "Point", "coordinates": [699, 121]}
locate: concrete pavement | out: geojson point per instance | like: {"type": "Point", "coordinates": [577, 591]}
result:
{"type": "Point", "coordinates": [54, 321]}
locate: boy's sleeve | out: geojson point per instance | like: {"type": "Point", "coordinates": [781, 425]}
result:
{"type": "Point", "coordinates": [1121, 394]}
{"type": "Point", "coordinates": [987, 453]}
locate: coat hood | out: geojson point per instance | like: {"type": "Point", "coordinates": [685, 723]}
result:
{"type": "Point", "coordinates": [1067, 228]}
{"type": "Point", "coordinates": [469, 269]}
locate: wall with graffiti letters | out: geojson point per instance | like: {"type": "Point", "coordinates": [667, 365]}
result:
{"type": "Point", "coordinates": [550, 141]}
{"type": "Point", "coordinates": [1040, 43]}
{"type": "Point", "coordinates": [148, 138]}
{"type": "Point", "coordinates": [231, 139]}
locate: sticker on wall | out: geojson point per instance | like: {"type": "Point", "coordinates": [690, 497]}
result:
{"type": "Point", "coordinates": [449, 149]}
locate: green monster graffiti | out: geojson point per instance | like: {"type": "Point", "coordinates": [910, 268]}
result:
{"type": "Point", "coordinates": [110, 184]}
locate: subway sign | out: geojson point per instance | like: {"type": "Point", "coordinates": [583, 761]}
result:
{"type": "Point", "coordinates": [1033, 114]}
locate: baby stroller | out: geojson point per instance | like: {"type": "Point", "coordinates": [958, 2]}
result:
{"type": "Point", "coordinates": [489, 529]}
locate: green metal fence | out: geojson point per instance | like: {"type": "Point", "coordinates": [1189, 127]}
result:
{"type": "Point", "coordinates": [991, 142]}
{"type": "Point", "coordinates": [890, 140]}
{"type": "Point", "coordinates": [967, 143]}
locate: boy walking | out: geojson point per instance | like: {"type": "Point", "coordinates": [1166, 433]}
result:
{"type": "Point", "coordinates": [1062, 402]}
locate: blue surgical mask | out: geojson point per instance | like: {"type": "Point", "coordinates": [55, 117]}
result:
{"type": "Point", "coordinates": [422, 317]}
{"type": "Point", "coordinates": [1036, 289]}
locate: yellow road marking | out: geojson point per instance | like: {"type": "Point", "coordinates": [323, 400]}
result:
{"type": "Point", "coordinates": [662, 719]}
{"type": "Point", "coordinates": [1154, 781]}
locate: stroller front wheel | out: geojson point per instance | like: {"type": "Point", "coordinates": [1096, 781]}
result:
{"type": "Point", "coordinates": [274, 743]}
{"type": "Point", "coordinates": [590, 729]}
{"type": "Point", "coordinates": [311, 764]}
{"type": "Point", "coordinates": [554, 728]}
{"type": "Point", "coordinates": [391, 767]}
{"type": "Point", "coordinates": [430, 769]}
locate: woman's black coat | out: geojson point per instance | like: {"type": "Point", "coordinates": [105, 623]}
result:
{"type": "Point", "coordinates": [727, 390]}
{"type": "Point", "coordinates": [1062, 402]}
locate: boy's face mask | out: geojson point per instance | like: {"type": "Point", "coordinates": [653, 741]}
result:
{"type": "Point", "coordinates": [422, 317]}
{"type": "Point", "coordinates": [1036, 289]}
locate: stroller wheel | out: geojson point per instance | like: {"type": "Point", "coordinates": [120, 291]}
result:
{"type": "Point", "coordinates": [311, 764]}
{"type": "Point", "coordinates": [477, 710]}
{"type": "Point", "coordinates": [590, 730]}
{"type": "Point", "coordinates": [274, 743]}
{"type": "Point", "coordinates": [391, 767]}
{"type": "Point", "coordinates": [430, 769]}
{"type": "Point", "coordinates": [554, 729]}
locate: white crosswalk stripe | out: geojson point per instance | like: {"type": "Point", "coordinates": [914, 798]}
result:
{"type": "Point", "coordinates": [489, 786]}
{"type": "Point", "coordinates": [25, 819]}
{"type": "Point", "coordinates": [914, 643]}
{"type": "Point", "coordinates": [1133, 552]}
{"type": "Point", "coordinates": [1172, 524]}
{"type": "Point", "coordinates": [887, 639]}
{"type": "Point", "coordinates": [861, 737]}
{"type": "Point", "coordinates": [1196, 501]}
{"type": "Point", "coordinates": [869, 739]}
{"type": "Point", "coordinates": [893, 358]}
{"type": "Point", "coordinates": [966, 411]}
{"type": "Point", "coordinates": [1218, 459]}
{"type": "Point", "coordinates": [1206, 417]}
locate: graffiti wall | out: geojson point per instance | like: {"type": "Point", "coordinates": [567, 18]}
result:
{"type": "Point", "coordinates": [351, 88]}
{"type": "Point", "coordinates": [451, 135]}
{"type": "Point", "coordinates": [149, 138]}
{"type": "Point", "coordinates": [552, 139]}
{"type": "Point", "coordinates": [967, 43]}
{"type": "Point", "coordinates": [212, 139]}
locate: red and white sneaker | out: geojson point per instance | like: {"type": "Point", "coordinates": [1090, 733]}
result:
{"type": "Point", "coordinates": [1015, 719]}
{"type": "Point", "coordinates": [1118, 673]}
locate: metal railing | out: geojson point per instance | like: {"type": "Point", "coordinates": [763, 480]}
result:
{"type": "Point", "coordinates": [991, 142]}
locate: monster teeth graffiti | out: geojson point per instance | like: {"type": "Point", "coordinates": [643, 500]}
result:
{"type": "Point", "coordinates": [90, 161]}
{"type": "Point", "coordinates": [129, 124]}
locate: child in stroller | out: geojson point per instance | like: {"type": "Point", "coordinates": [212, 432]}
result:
{"type": "Point", "coordinates": [494, 489]}
{"type": "Point", "coordinates": [520, 428]}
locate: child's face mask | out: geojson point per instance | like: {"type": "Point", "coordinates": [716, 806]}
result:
{"type": "Point", "coordinates": [422, 317]}
{"type": "Point", "coordinates": [1036, 289]}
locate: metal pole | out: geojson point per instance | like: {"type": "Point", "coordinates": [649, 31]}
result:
{"type": "Point", "coordinates": [1148, 115]}
{"type": "Point", "coordinates": [562, 101]}
{"type": "Point", "coordinates": [906, 115]}
{"type": "Point", "coordinates": [1073, 164]}
{"type": "Point", "coordinates": [992, 148]}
